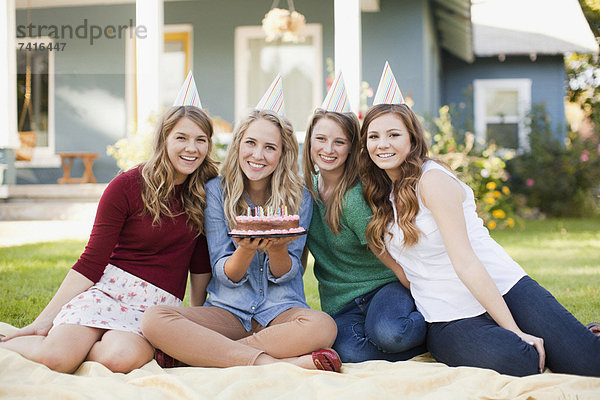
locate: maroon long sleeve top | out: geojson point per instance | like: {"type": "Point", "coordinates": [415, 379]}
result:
{"type": "Point", "coordinates": [123, 235]}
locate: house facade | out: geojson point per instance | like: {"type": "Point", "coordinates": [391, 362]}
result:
{"type": "Point", "coordinates": [87, 92]}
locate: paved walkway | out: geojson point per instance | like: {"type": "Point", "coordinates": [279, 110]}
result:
{"type": "Point", "coordinates": [14, 233]}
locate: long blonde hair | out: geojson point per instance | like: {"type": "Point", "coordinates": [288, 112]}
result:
{"type": "Point", "coordinates": [158, 173]}
{"type": "Point", "coordinates": [377, 185]}
{"type": "Point", "coordinates": [286, 184]}
{"type": "Point", "coordinates": [350, 126]}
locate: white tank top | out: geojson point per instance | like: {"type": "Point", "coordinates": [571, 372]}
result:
{"type": "Point", "coordinates": [438, 292]}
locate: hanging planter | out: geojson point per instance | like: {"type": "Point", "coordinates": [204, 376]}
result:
{"type": "Point", "coordinates": [287, 25]}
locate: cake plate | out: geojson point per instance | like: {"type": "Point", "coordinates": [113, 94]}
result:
{"type": "Point", "coordinates": [267, 235]}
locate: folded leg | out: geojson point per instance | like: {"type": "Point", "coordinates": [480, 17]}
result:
{"type": "Point", "coordinates": [121, 351]}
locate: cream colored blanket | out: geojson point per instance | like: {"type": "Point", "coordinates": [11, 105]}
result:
{"type": "Point", "coordinates": [420, 378]}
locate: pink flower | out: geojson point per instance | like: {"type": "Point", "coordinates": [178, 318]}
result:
{"type": "Point", "coordinates": [585, 156]}
{"type": "Point", "coordinates": [530, 182]}
{"type": "Point", "coordinates": [329, 81]}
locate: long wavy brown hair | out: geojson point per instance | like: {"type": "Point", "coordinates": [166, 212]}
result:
{"type": "Point", "coordinates": [158, 173]}
{"type": "Point", "coordinates": [334, 205]}
{"type": "Point", "coordinates": [286, 183]}
{"type": "Point", "coordinates": [377, 185]}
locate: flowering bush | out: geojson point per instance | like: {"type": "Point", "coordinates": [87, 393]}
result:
{"type": "Point", "coordinates": [482, 170]}
{"type": "Point", "coordinates": [558, 177]}
{"type": "Point", "coordinates": [135, 148]}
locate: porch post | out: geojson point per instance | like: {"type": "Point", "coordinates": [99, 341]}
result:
{"type": "Point", "coordinates": [149, 48]}
{"type": "Point", "coordinates": [347, 42]}
{"type": "Point", "coordinates": [9, 139]}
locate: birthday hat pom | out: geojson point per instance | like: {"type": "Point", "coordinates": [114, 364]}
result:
{"type": "Point", "coordinates": [188, 94]}
{"type": "Point", "coordinates": [388, 91]}
{"type": "Point", "coordinates": [337, 97]}
{"type": "Point", "coordinates": [273, 98]}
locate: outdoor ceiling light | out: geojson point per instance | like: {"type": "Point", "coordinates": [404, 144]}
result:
{"type": "Point", "coordinates": [287, 25]}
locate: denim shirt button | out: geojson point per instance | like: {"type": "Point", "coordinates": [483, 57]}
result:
{"type": "Point", "coordinates": [261, 269]}
{"type": "Point", "coordinates": [261, 291]}
{"type": "Point", "coordinates": [254, 308]}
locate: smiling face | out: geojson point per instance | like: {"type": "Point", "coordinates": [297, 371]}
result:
{"type": "Point", "coordinates": [260, 151]}
{"type": "Point", "coordinates": [329, 146]}
{"type": "Point", "coordinates": [388, 143]}
{"type": "Point", "coordinates": [187, 145]}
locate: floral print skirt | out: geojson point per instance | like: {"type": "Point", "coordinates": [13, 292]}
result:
{"type": "Point", "coordinates": [117, 302]}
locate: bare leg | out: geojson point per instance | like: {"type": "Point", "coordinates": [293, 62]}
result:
{"type": "Point", "coordinates": [121, 351]}
{"type": "Point", "coordinates": [63, 350]}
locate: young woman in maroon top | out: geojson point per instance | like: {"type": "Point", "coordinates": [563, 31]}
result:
{"type": "Point", "coordinates": [146, 237]}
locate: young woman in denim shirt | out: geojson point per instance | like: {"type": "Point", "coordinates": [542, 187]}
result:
{"type": "Point", "coordinates": [256, 312]}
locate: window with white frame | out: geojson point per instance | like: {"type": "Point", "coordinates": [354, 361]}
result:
{"type": "Point", "coordinates": [35, 102]}
{"type": "Point", "coordinates": [257, 62]}
{"type": "Point", "coordinates": [501, 107]}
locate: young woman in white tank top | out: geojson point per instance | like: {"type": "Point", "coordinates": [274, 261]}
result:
{"type": "Point", "coordinates": [481, 307]}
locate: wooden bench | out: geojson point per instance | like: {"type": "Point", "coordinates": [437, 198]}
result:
{"type": "Point", "coordinates": [67, 159]}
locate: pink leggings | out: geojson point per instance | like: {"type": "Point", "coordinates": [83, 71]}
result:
{"type": "Point", "coordinates": [214, 337]}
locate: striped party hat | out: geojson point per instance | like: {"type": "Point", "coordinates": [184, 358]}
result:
{"type": "Point", "coordinates": [273, 98]}
{"type": "Point", "coordinates": [388, 91]}
{"type": "Point", "coordinates": [188, 94]}
{"type": "Point", "coordinates": [337, 97]}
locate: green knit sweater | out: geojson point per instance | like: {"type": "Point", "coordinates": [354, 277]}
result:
{"type": "Point", "coordinates": [344, 265]}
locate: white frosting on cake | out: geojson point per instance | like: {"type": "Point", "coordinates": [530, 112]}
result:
{"type": "Point", "coordinates": [270, 218]}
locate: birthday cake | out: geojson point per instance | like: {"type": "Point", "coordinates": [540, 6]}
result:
{"type": "Point", "coordinates": [266, 223]}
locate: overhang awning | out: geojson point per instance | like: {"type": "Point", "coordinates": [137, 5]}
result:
{"type": "Point", "coordinates": [527, 27]}
{"type": "Point", "coordinates": [453, 20]}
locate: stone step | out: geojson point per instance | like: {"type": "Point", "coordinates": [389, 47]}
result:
{"type": "Point", "coordinates": [74, 191]}
{"type": "Point", "coordinates": [48, 210]}
{"type": "Point", "coordinates": [76, 202]}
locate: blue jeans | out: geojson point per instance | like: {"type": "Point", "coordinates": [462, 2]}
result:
{"type": "Point", "coordinates": [479, 342]}
{"type": "Point", "coordinates": [381, 325]}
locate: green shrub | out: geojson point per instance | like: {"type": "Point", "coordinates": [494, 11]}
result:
{"type": "Point", "coordinates": [483, 170]}
{"type": "Point", "coordinates": [558, 177]}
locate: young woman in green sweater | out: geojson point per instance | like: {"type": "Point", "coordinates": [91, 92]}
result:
{"type": "Point", "coordinates": [366, 295]}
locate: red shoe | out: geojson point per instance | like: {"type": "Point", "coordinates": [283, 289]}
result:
{"type": "Point", "coordinates": [166, 361]}
{"type": "Point", "coordinates": [327, 360]}
{"type": "Point", "coordinates": [594, 327]}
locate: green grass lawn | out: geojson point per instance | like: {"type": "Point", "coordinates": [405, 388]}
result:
{"type": "Point", "coordinates": [563, 255]}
